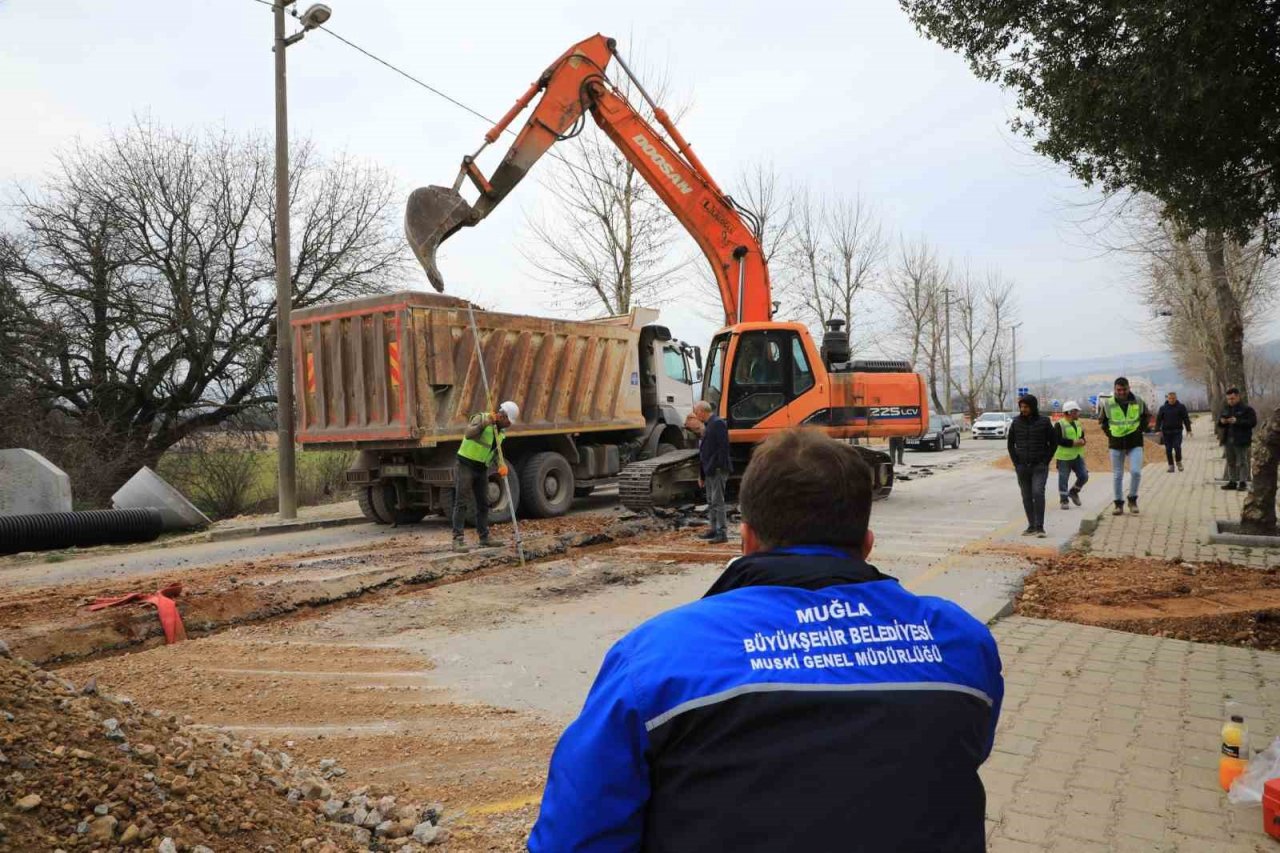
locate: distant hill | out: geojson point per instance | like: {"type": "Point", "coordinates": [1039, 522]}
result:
{"type": "Point", "coordinates": [1152, 374]}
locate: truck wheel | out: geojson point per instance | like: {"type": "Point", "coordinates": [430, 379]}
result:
{"type": "Point", "coordinates": [546, 485]}
{"type": "Point", "coordinates": [364, 497]}
{"type": "Point", "coordinates": [383, 498]}
{"type": "Point", "coordinates": [504, 495]}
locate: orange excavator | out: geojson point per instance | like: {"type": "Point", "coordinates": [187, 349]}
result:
{"type": "Point", "coordinates": [761, 375]}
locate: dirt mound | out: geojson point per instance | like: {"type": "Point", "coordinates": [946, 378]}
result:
{"type": "Point", "coordinates": [83, 771]}
{"type": "Point", "coordinates": [1204, 602]}
{"type": "Point", "coordinates": [1096, 455]}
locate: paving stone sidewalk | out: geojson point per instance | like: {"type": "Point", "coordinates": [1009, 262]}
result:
{"type": "Point", "coordinates": [1109, 741]}
{"type": "Point", "coordinates": [1176, 511]}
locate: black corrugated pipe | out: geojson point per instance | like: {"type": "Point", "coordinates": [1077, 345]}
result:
{"type": "Point", "coordinates": [45, 531]}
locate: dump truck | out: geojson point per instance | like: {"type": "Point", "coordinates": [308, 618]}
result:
{"type": "Point", "coordinates": [396, 377]}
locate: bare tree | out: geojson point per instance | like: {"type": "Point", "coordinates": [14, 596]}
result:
{"type": "Point", "coordinates": [982, 314]}
{"type": "Point", "coordinates": [913, 290]}
{"type": "Point", "coordinates": [143, 271]}
{"type": "Point", "coordinates": [608, 244]}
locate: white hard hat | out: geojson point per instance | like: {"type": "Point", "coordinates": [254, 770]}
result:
{"type": "Point", "coordinates": [511, 409]}
{"type": "Point", "coordinates": [1071, 406]}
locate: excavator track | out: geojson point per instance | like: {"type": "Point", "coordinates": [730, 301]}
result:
{"type": "Point", "coordinates": [651, 483]}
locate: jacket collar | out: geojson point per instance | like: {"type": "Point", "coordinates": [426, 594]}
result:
{"type": "Point", "coordinates": [809, 567]}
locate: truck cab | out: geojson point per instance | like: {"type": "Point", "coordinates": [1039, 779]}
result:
{"type": "Point", "coordinates": [678, 372]}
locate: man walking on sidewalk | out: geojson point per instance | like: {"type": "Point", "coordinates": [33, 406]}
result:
{"type": "Point", "coordinates": [1124, 418]}
{"type": "Point", "coordinates": [1031, 445]}
{"type": "Point", "coordinates": [716, 466]}
{"type": "Point", "coordinates": [1069, 434]}
{"type": "Point", "coordinates": [1238, 420]}
{"type": "Point", "coordinates": [1170, 420]}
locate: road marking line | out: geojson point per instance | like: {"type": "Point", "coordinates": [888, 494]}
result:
{"type": "Point", "coordinates": [944, 565]}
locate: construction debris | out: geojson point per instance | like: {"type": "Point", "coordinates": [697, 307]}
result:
{"type": "Point", "coordinates": [84, 771]}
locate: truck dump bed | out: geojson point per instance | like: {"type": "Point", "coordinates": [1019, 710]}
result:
{"type": "Point", "coordinates": [400, 370]}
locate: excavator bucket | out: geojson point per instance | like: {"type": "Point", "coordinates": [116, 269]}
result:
{"type": "Point", "coordinates": [430, 218]}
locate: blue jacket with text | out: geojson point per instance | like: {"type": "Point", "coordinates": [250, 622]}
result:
{"type": "Point", "coordinates": [807, 703]}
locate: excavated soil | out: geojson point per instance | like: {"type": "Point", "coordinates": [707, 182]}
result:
{"type": "Point", "coordinates": [1204, 602]}
{"type": "Point", "coordinates": [1096, 455]}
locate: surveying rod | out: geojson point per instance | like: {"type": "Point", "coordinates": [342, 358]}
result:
{"type": "Point", "coordinates": [488, 393]}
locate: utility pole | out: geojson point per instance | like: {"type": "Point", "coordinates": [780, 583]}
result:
{"type": "Point", "coordinates": [286, 471]}
{"type": "Point", "coordinates": [947, 291]}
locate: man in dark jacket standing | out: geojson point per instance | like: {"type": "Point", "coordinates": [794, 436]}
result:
{"type": "Point", "coordinates": [1032, 444]}
{"type": "Point", "coordinates": [1170, 420]}
{"type": "Point", "coordinates": [716, 467]}
{"type": "Point", "coordinates": [1124, 418]}
{"type": "Point", "coordinates": [1238, 420]}
{"type": "Point", "coordinates": [806, 703]}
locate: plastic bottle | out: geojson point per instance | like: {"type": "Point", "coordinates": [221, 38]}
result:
{"type": "Point", "coordinates": [1235, 753]}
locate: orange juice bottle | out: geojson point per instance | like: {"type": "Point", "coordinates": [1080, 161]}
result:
{"type": "Point", "coordinates": [1235, 753]}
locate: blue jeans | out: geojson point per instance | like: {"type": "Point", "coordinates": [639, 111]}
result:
{"type": "Point", "coordinates": [1135, 457]}
{"type": "Point", "coordinates": [1065, 467]}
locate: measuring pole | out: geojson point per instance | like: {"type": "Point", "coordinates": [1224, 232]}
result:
{"type": "Point", "coordinates": [488, 393]}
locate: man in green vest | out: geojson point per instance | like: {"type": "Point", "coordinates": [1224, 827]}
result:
{"type": "Point", "coordinates": [1069, 433]}
{"type": "Point", "coordinates": [1124, 418]}
{"type": "Point", "coordinates": [481, 443]}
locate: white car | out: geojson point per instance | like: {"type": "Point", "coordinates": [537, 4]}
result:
{"type": "Point", "coordinates": [992, 425]}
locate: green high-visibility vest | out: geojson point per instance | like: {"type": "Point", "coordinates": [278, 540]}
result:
{"type": "Point", "coordinates": [1072, 431]}
{"type": "Point", "coordinates": [1125, 419]}
{"type": "Point", "coordinates": [484, 448]}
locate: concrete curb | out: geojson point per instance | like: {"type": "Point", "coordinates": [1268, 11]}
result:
{"type": "Point", "coordinates": [1217, 537]}
{"type": "Point", "coordinates": [229, 533]}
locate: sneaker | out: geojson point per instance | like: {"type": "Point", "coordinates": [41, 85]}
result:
{"type": "Point", "coordinates": [1229, 487]}
{"type": "Point", "coordinates": [1170, 469]}
{"type": "Point", "coordinates": [459, 546]}
{"type": "Point", "coordinates": [1040, 534]}
{"type": "Point", "coordinates": [1179, 465]}
{"type": "Point", "coordinates": [708, 534]}
{"type": "Point", "coordinates": [1074, 494]}
{"type": "Point", "coordinates": [718, 540]}
{"type": "Point", "coordinates": [1030, 531]}
{"type": "Point", "coordinates": [1243, 487]}
{"type": "Point", "coordinates": [1133, 506]}
{"type": "Point", "coordinates": [1119, 510]}
{"type": "Point", "coordinates": [1064, 504]}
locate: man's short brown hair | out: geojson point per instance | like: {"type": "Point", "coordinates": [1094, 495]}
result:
{"type": "Point", "coordinates": [803, 488]}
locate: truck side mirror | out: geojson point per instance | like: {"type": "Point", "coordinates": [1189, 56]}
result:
{"type": "Point", "coordinates": [697, 375]}
{"type": "Point", "coordinates": [697, 358]}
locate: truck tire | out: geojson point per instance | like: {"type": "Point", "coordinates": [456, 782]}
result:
{"type": "Point", "coordinates": [364, 497]}
{"type": "Point", "coordinates": [546, 485]}
{"type": "Point", "coordinates": [383, 498]}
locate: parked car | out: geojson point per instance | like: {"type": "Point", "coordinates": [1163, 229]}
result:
{"type": "Point", "coordinates": [943, 432]}
{"type": "Point", "coordinates": [993, 425]}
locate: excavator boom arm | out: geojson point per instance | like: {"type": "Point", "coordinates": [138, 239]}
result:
{"type": "Point", "coordinates": [573, 85]}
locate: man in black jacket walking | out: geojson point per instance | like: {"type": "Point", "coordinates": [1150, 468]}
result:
{"type": "Point", "coordinates": [716, 467]}
{"type": "Point", "coordinates": [1238, 420]}
{"type": "Point", "coordinates": [1032, 444]}
{"type": "Point", "coordinates": [1170, 420]}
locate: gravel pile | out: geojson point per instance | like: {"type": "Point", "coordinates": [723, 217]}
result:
{"type": "Point", "coordinates": [83, 771]}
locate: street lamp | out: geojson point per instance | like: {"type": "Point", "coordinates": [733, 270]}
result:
{"type": "Point", "coordinates": [1014, 328]}
{"type": "Point", "coordinates": [315, 16]}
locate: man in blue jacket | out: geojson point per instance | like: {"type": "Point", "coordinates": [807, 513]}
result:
{"type": "Point", "coordinates": [807, 702]}
{"type": "Point", "coordinates": [716, 468]}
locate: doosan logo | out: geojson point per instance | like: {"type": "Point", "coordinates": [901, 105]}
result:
{"type": "Point", "coordinates": [661, 162]}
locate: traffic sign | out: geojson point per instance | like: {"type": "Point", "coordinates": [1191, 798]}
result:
{"type": "Point", "coordinates": [1022, 392]}
{"type": "Point", "coordinates": [1093, 399]}
{"type": "Point", "coordinates": [1057, 405]}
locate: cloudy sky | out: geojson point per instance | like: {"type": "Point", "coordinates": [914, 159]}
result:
{"type": "Point", "coordinates": [842, 96]}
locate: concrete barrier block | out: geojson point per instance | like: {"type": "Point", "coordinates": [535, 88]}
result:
{"type": "Point", "coordinates": [29, 483]}
{"type": "Point", "coordinates": [147, 489]}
